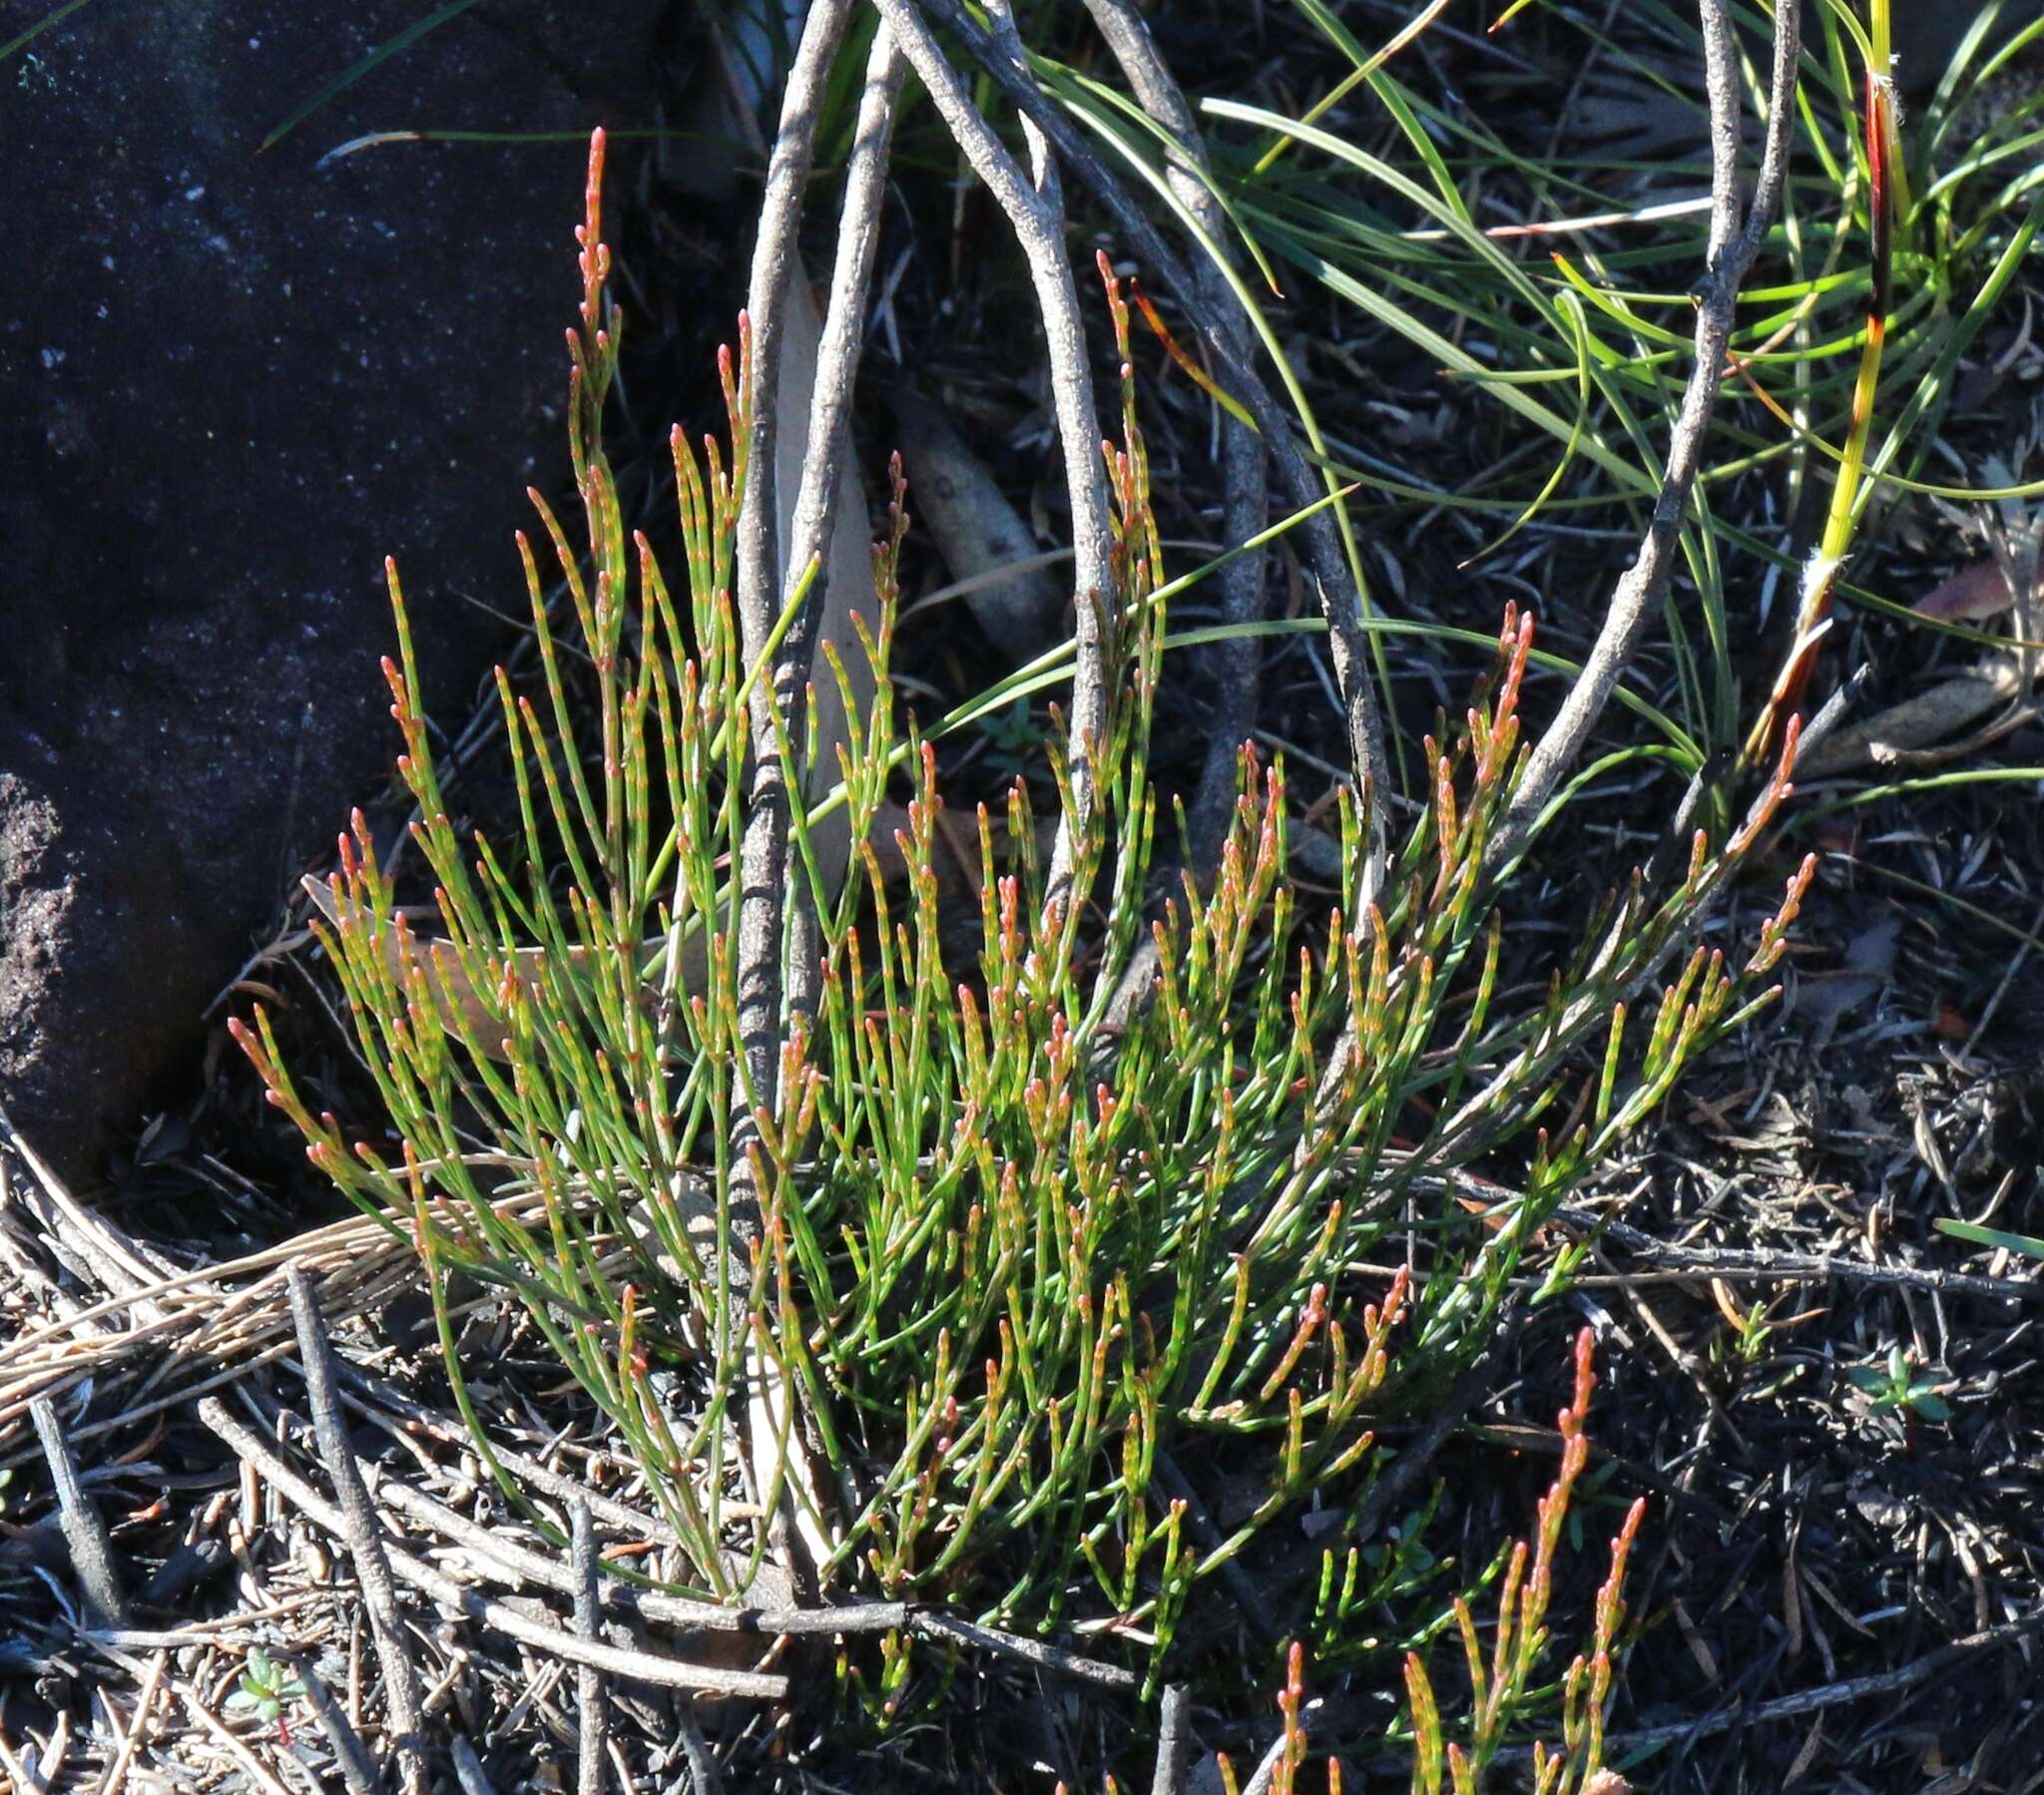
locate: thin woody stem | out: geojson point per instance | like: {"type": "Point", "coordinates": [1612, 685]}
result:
{"type": "Point", "coordinates": [1643, 588]}
{"type": "Point", "coordinates": [1036, 214]}
{"type": "Point", "coordinates": [760, 909]}
{"type": "Point", "coordinates": [761, 892]}
{"type": "Point", "coordinates": [1339, 599]}
{"type": "Point", "coordinates": [1086, 729]}
{"type": "Point", "coordinates": [829, 439]}
{"type": "Point", "coordinates": [1246, 498]}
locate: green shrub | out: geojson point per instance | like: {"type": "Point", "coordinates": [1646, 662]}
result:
{"type": "Point", "coordinates": [1008, 1244]}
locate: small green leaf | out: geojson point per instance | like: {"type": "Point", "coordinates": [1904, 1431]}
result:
{"type": "Point", "coordinates": [54, 17]}
{"type": "Point", "coordinates": [1931, 1406]}
{"type": "Point", "coordinates": [357, 69]}
{"type": "Point", "coordinates": [2027, 1244]}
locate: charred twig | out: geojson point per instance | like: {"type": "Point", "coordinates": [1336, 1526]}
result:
{"type": "Point", "coordinates": [591, 1716]}
{"type": "Point", "coordinates": [1174, 1741]}
{"type": "Point", "coordinates": [1731, 1714]}
{"type": "Point", "coordinates": [637, 1667]}
{"type": "Point", "coordinates": [1833, 712]}
{"type": "Point", "coordinates": [359, 1529]}
{"type": "Point", "coordinates": [468, 1768]}
{"type": "Point", "coordinates": [1050, 1659]}
{"type": "Point", "coordinates": [702, 1771]}
{"type": "Point", "coordinates": [1251, 1602]}
{"type": "Point", "coordinates": [1732, 247]}
{"type": "Point", "coordinates": [1401, 1482]}
{"type": "Point", "coordinates": [1794, 1269]}
{"type": "Point", "coordinates": [357, 1767]}
{"type": "Point", "coordinates": [92, 1553]}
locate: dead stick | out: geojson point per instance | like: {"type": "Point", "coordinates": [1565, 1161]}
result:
{"type": "Point", "coordinates": [1250, 1601]}
{"type": "Point", "coordinates": [137, 1727]}
{"type": "Point", "coordinates": [1947, 1657]}
{"type": "Point", "coordinates": [468, 1769]}
{"type": "Point", "coordinates": [592, 1719]}
{"type": "Point", "coordinates": [1174, 1741]}
{"type": "Point", "coordinates": [357, 1768]}
{"type": "Point", "coordinates": [516, 1563]}
{"type": "Point", "coordinates": [1794, 1269]}
{"type": "Point", "coordinates": [1030, 1651]}
{"type": "Point", "coordinates": [637, 1667]}
{"type": "Point", "coordinates": [378, 1403]}
{"type": "Point", "coordinates": [359, 1531]}
{"type": "Point", "coordinates": [702, 1771]}
{"type": "Point", "coordinates": [92, 1553]}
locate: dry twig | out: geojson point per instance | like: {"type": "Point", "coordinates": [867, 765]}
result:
{"type": "Point", "coordinates": [1794, 1269]}
{"type": "Point", "coordinates": [357, 1768]}
{"type": "Point", "coordinates": [1051, 1658]}
{"type": "Point", "coordinates": [468, 1769]}
{"type": "Point", "coordinates": [92, 1553]}
{"type": "Point", "coordinates": [592, 1719]}
{"type": "Point", "coordinates": [637, 1667]}
{"type": "Point", "coordinates": [1174, 1741]}
{"type": "Point", "coordinates": [359, 1529]}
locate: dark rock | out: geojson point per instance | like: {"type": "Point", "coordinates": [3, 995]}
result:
{"type": "Point", "coordinates": [229, 383]}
